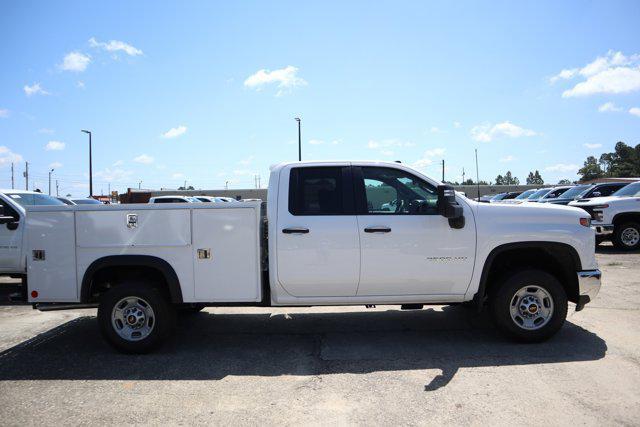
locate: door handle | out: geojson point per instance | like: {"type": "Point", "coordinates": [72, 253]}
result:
{"type": "Point", "coordinates": [377, 230]}
{"type": "Point", "coordinates": [295, 230]}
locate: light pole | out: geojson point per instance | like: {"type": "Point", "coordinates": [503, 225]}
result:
{"type": "Point", "coordinates": [299, 140]}
{"type": "Point", "coordinates": [90, 165]}
{"type": "Point", "coordinates": [50, 172]}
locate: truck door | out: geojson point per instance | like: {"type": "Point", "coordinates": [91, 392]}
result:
{"type": "Point", "coordinates": [11, 232]}
{"type": "Point", "coordinates": [318, 250]}
{"type": "Point", "coordinates": [406, 251]}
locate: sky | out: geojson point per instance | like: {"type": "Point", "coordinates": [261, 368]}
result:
{"type": "Point", "coordinates": [206, 92]}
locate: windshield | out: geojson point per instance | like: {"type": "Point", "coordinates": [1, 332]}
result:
{"type": "Point", "coordinates": [193, 200]}
{"type": "Point", "coordinates": [498, 196]}
{"type": "Point", "coordinates": [576, 191]}
{"type": "Point", "coordinates": [631, 190]}
{"type": "Point", "coordinates": [27, 199]}
{"type": "Point", "coordinates": [539, 194]}
{"type": "Point", "coordinates": [86, 202]}
{"type": "Point", "coordinates": [526, 194]}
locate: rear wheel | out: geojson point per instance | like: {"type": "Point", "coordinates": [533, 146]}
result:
{"type": "Point", "coordinates": [135, 318]}
{"type": "Point", "coordinates": [626, 236]}
{"type": "Point", "coordinates": [530, 306]}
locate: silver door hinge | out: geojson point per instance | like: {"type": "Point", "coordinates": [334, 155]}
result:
{"type": "Point", "coordinates": [204, 253]}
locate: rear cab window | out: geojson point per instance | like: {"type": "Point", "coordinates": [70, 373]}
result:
{"type": "Point", "coordinates": [324, 190]}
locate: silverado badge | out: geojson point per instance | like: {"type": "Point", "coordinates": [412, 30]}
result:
{"type": "Point", "coordinates": [132, 220]}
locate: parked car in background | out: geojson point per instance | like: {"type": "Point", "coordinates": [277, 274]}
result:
{"type": "Point", "coordinates": [554, 193]}
{"type": "Point", "coordinates": [587, 191]}
{"type": "Point", "coordinates": [215, 199]}
{"type": "Point", "coordinates": [86, 201]}
{"type": "Point", "coordinates": [497, 197]}
{"type": "Point", "coordinates": [535, 197]}
{"type": "Point", "coordinates": [66, 201]}
{"type": "Point", "coordinates": [509, 196]}
{"type": "Point", "coordinates": [174, 199]}
{"type": "Point", "coordinates": [486, 198]}
{"type": "Point", "coordinates": [522, 197]}
{"type": "Point", "coordinates": [617, 217]}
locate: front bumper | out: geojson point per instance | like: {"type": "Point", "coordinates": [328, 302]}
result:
{"type": "Point", "coordinates": [602, 229]}
{"type": "Point", "coordinates": [588, 287]}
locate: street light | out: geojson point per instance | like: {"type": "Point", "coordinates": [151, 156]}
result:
{"type": "Point", "coordinates": [299, 141]}
{"type": "Point", "coordinates": [90, 165]}
{"type": "Point", "coordinates": [50, 172]}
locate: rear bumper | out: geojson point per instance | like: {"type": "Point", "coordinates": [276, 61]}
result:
{"type": "Point", "coordinates": [588, 287]}
{"type": "Point", "coordinates": [603, 229]}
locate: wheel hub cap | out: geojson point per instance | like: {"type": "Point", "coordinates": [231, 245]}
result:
{"type": "Point", "coordinates": [133, 318]}
{"type": "Point", "coordinates": [531, 307]}
{"type": "Point", "coordinates": [630, 236]}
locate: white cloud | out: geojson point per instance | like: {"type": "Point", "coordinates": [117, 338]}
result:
{"type": "Point", "coordinates": [457, 125]}
{"type": "Point", "coordinates": [75, 61]}
{"type": "Point", "coordinates": [435, 129]}
{"type": "Point", "coordinates": [114, 175]}
{"type": "Point", "coordinates": [55, 165]}
{"type": "Point", "coordinates": [285, 78]}
{"type": "Point", "coordinates": [613, 73]}
{"type": "Point", "coordinates": [316, 142]}
{"type": "Point", "coordinates": [177, 175]}
{"type": "Point", "coordinates": [4, 113]}
{"type": "Point", "coordinates": [80, 85]}
{"type": "Point", "coordinates": [54, 146]}
{"type": "Point", "coordinates": [46, 131]}
{"type": "Point", "coordinates": [635, 111]}
{"type": "Point", "coordinates": [609, 107]}
{"type": "Point", "coordinates": [487, 132]}
{"type": "Point", "coordinates": [427, 158]}
{"type": "Point", "coordinates": [115, 46]}
{"type": "Point", "coordinates": [34, 89]}
{"type": "Point", "coordinates": [7, 156]}
{"type": "Point", "coordinates": [562, 167]}
{"type": "Point", "coordinates": [387, 153]}
{"type": "Point", "coordinates": [118, 163]}
{"type": "Point", "coordinates": [144, 159]}
{"type": "Point", "coordinates": [174, 132]}
{"type": "Point", "coordinates": [507, 159]}
{"type": "Point", "coordinates": [592, 146]}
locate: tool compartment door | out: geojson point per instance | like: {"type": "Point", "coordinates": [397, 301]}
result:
{"type": "Point", "coordinates": [226, 254]}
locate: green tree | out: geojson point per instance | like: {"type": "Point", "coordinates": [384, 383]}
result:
{"type": "Point", "coordinates": [564, 182]}
{"type": "Point", "coordinates": [535, 178]}
{"type": "Point", "coordinates": [499, 180]}
{"type": "Point", "coordinates": [590, 170]}
{"type": "Point", "coordinates": [510, 180]}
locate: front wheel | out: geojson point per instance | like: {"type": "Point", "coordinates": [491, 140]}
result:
{"type": "Point", "coordinates": [530, 306]}
{"type": "Point", "coordinates": [135, 318]}
{"type": "Point", "coordinates": [627, 236]}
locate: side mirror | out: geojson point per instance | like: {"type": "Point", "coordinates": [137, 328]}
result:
{"type": "Point", "coordinates": [448, 207]}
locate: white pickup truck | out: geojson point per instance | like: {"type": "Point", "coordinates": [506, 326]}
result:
{"type": "Point", "coordinates": [325, 240]}
{"type": "Point", "coordinates": [617, 217]}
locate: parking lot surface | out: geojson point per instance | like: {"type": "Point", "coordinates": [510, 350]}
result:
{"type": "Point", "coordinates": [348, 365]}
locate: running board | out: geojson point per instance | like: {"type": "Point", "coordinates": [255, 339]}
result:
{"type": "Point", "coordinates": [54, 306]}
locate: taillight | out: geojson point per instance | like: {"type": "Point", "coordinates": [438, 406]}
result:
{"type": "Point", "coordinates": [586, 222]}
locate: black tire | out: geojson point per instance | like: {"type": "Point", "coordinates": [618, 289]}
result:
{"type": "Point", "coordinates": [618, 236]}
{"type": "Point", "coordinates": [503, 298]}
{"type": "Point", "coordinates": [163, 324]}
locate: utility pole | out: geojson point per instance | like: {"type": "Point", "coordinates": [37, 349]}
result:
{"type": "Point", "coordinates": [12, 182]}
{"type": "Point", "coordinates": [57, 189]}
{"type": "Point", "coordinates": [463, 175]}
{"type": "Point", "coordinates": [299, 140]}
{"type": "Point", "coordinates": [442, 170]}
{"type": "Point", "coordinates": [50, 172]}
{"type": "Point", "coordinates": [90, 165]}
{"type": "Point", "coordinates": [139, 184]}
{"type": "Point", "coordinates": [26, 176]}
{"type": "Point", "coordinates": [259, 184]}
{"type": "Point", "coordinates": [226, 185]}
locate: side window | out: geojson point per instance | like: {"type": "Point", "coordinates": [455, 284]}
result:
{"type": "Point", "coordinates": [317, 191]}
{"type": "Point", "coordinates": [390, 191]}
{"type": "Point", "coordinates": [7, 210]}
{"type": "Point", "coordinates": [608, 190]}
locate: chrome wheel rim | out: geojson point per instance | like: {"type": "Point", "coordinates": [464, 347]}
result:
{"type": "Point", "coordinates": [630, 236]}
{"type": "Point", "coordinates": [133, 318]}
{"type": "Point", "coordinates": [531, 307]}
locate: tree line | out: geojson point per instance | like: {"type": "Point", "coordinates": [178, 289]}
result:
{"type": "Point", "coordinates": [623, 162]}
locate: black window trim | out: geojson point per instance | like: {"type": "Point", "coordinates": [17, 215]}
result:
{"type": "Point", "coordinates": [361, 197]}
{"type": "Point", "coordinates": [348, 207]}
